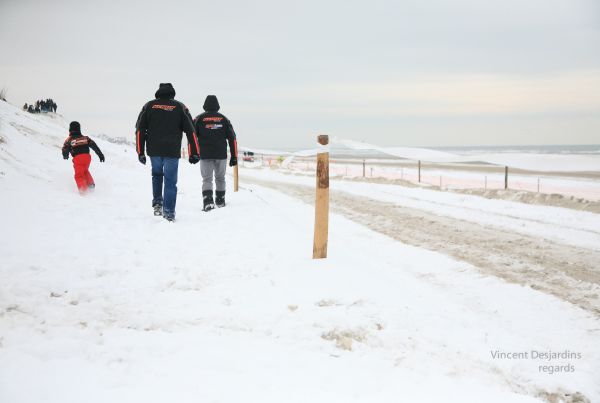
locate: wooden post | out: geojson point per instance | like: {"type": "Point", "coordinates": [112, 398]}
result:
{"type": "Point", "coordinates": [322, 202]}
{"type": "Point", "coordinates": [419, 171]}
{"type": "Point", "coordinates": [363, 168]}
{"type": "Point", "coordinates": [505, 178]}
{"type": "Point", "coordinates": [538, 184]}
{"type": "Point", "coordinates": [235, 178]}
{"type": "Point", "coordinates": [485, 183]}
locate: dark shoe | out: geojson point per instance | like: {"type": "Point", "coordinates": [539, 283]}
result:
{"type": "Point", "coordinates": [220, 199]}
{"type": "Point", "coordinates": [207, 199]}
{"type": "Point", "coordinates": [158, 209]}
{"type": "Point", "coordinates": [169, 218]}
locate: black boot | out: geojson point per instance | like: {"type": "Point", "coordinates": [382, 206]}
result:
{"type": "Point", "coordinates": [207, 198]}
{"type": "Point", "coordinates": [157, 208]}
{"type": "Point", "coordinates": [220, 199]}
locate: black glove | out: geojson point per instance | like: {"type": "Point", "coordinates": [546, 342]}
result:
{"type": "Point", "coordinates": [194, 159]}
{"type": "Point", "coordinates": [101, 158]}
{"type": "Point", "coordinates": [65, 157]}
{"type": "Point", "coordinates": [233, 161]}
{"type": "Point", "coordinates": [142, 158]}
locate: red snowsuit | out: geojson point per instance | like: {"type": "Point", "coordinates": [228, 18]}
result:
{"type": "Point", "coordinates": [79, 147]}
{"type": "Point", "coordinates": [83, 177]}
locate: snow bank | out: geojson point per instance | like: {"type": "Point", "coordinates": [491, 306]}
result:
{"type": "Point", "coordinates": [572, 227]}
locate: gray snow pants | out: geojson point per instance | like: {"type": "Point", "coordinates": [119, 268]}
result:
{"type": "Point", "coordinates": [207, 168]}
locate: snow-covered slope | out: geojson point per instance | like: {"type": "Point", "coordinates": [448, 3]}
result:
{"type": "Point", "coordinates": [100, 301]}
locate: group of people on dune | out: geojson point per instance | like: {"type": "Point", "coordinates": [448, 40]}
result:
{"type": "Point", "coordinates": [41, 106]}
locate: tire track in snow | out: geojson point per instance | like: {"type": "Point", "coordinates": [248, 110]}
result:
{"type": "Point", "coordinates": [493, 213]}
{"type": "Point", "coordinates": [567, 272]}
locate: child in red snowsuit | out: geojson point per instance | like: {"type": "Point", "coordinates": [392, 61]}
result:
{"type": "Point", "coordinates": [79, 146]}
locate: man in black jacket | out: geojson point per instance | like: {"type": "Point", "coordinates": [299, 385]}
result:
{"type": "Point", "coordinates": [159, 129]}
{"type": "Point", "coordinates": [214, 130]}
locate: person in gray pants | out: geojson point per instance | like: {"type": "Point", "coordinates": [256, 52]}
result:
{"type": "Point", "coordinates": [214, 131]}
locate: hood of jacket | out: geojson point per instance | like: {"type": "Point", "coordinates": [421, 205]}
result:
{"type": "Point", "coordinates": [165, 91]}
{"type": "Point", "coordinates": [211, 104]}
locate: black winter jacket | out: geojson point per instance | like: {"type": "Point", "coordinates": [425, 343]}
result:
{"type": "Point", "coordinates": [214, 131]}
{"type": "Point", "coordinates": [160, 125]}
{"type": "Point", "coordinates": [77, 144]}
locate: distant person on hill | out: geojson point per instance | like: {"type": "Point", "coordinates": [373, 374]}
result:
{"type": "Point", "coordinates": [37, 109]}
{"type": "Point", "coordinates": [25, 106]}
{"type": "Point", "coordinates": [159, 127]}
{"type": "Point", "coordinates": [214, 131]}
{"type": "Point", "coordinates": [30, 109]}
{"type": "Point", "coordinates": [79, 146]}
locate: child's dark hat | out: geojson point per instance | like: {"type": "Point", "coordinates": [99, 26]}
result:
{"type": "Point", "coordinates": [74, 127]}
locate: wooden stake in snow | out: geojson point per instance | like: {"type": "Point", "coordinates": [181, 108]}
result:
{"type": "Point", "coordinates": [322, 202]}
{"type": "Point", "coordinates": [363, 168]}
{"type": "Point", "coordinates": [419, 171]}
{"type": "Point", "coordinates": [505, 177]}
{"type": "Point", "coordinates": [235, 178]}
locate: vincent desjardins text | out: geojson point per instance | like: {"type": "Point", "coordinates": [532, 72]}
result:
{"type": "Point", "coordinates": [551, 362]}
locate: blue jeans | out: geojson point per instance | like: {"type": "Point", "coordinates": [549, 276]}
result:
{"type": "Point", "coordinates": [165, 167]}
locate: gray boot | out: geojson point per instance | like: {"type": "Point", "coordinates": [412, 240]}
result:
{"type": "Point", "coordinates": [207, 198]}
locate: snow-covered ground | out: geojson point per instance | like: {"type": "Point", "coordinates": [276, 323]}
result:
{"type": "Point", "coordinates": [568, 226]}
{"type": "Point", "coordinates": [101, 301]}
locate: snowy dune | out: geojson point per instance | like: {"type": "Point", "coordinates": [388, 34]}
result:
{"type": "Point", "coordinates": [100, 301]}
{"type": "Point", "coordinates": [527, 161]}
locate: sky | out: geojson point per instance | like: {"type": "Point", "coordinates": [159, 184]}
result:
{"type": "Point", "coordinates": [393, 73]}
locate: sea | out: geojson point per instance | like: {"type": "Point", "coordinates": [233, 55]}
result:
{"type": "Point", "coordinates": [575, 149]}
{"type": "Point", "coordinates": [533, 149]}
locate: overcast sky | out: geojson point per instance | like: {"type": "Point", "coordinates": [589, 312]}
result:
{"type": "Point", "coordinates": [404, 73]}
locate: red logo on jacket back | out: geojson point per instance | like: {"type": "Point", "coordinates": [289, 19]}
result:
{"type": "Point", "coordinates": [82, 141]}
{"type": "Point", "coordinates": [168, 108]}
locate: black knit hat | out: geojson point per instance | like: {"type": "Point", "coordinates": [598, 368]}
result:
{"type": "Point", "coordinates": [74, 127]}
{"type": "Point", "coordinates": [211, 104]}
{"type": "Point", "coordinates": [165, 90]}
